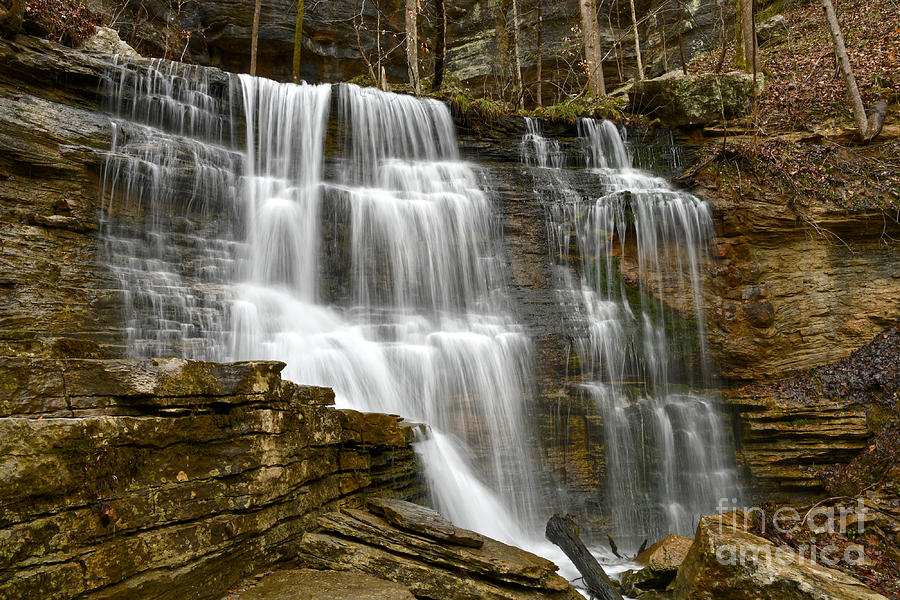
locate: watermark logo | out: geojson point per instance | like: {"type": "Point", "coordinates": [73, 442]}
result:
{"type": "Point", "coordinates": [815, 529]}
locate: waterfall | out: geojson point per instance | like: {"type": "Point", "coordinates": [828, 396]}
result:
{"type": "Point", "coordinates": [636, 302]}
{"type": "Point", "coordinates": [246, 219]}
{"type": "Point", "coordinates": [373, 267]}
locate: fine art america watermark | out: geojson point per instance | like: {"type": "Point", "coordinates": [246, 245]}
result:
{"type": "Point", "coordinates": [819, 520]}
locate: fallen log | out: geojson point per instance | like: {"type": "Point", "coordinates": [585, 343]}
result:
{"type": "Point", "coordinates": [563, 532]}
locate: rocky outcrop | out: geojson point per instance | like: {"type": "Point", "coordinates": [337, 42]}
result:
{"type": "Point", "coordinates": [726, 562]}
{"type": "Point", "coordinates": [417, 548]}
{"type": "Point", "coordinates": [791, 288]}
{"type": "Point", "coordinates": [106, 41]}
{"type": "Point", "coordinates": [660, 565]}
{"type": "Point", "coordinates": [174, 478]}
{"type": "Point", "coordinates": [781, 442]}
{"type": "Point", "coordinates": [678, 100]}
{"type": "Point", "coordinates": [771, 29]}
{"type": "Point", "coordinates": [55, 298]}
{"type": "Point", "coordinates": [794, 428]}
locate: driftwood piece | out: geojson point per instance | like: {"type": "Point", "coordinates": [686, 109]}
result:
{"type": "Point", "coordinates": [563, 532]}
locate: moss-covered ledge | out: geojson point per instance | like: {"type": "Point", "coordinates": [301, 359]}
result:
{"type": "Point", "coordinates": [174, 478]}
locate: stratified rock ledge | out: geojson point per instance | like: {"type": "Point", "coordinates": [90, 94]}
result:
{"type": "Point", "coordinates": [413, 546]}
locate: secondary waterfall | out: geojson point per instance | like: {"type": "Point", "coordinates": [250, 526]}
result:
{"type": "Point", "coordinates": [373, 268]}
{"type": "Point", "coordinates": [627, 250]}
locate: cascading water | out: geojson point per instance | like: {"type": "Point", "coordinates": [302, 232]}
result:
{"type": "Point", "coordinates": [367, 257]}
{"type": "Point", "coordinates": [410, 316]}
{"type": "Point", "coordinates": [667, 450]}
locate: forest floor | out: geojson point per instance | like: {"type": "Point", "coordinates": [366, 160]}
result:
{"type": "Point", "coordinates": [800, 141]}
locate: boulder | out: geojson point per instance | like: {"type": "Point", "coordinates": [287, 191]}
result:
{"type": "Point", "coordinates": [310, 584]}
{"type": "Point", "coordinates": [666, 555]}
{"type": "Point", "coordinates": [692, 100]}
{"type": "Point", "coordinates": [771, 29]}
{"type": "Point", "coordinates": [726, 562]}
{"type": "Point", "coordinates": [660, 561]}
{"type": "Point", "coordinates": [106, 41]}
{"type": "Point", "coordinates": [414, 549]}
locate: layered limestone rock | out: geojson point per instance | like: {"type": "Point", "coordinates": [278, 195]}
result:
{"type": "Point", "coordinates": [793, 432]}
{"type": "Point", "coordinates": [417, 548]}
{"type": "Point", "coordinates": [173, 478]}
{"type": "Point", "coordinates": [726, 562]}
{"type": "Point", "coordinates": [55, 298]}
{"type": "Point", "coordinates": [780, 441]}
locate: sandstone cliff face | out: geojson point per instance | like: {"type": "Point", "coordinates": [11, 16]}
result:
{"type": "Point", "coordinates": [173, 478]}
{"type": "Point", "coordinates": [791, 289]}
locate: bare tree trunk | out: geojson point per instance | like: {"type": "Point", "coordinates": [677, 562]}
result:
{"type": "Point", "coordinates": [254, 37]}
{"type": "Point", "coordinates": [412, 44]}
{"type": "Point", "coordinates": [440, 46]}
{"type": "Point", "coordinates": [637, 43]}
{"type": "Point", "coordinates": [540, 49]}
{"type": "Point", "coordinates": [680, 39]}
{"type": "Point", "coordinates": [665, 51]}
{"type": "Point", "coordinates": [11, 19]}
{"type": "Point", "coordinates": [871, 125]}
{"type": "Point", "coordinates": [298, 37]}
{"type": "Point", "coordinates": [749, 47]}
{"type": "Point", "coordinates": [379, 70]}
{"type": "Point", "coordinates": [357, 14]}
{"type": "Point", "coordinates": [721, 63]}
{"type": "Point", "coordinates": [520, 92]}
{"type": "Point", "coordinates": [563, 532]}
{"type": "Point", "coordinates": [593, 57]}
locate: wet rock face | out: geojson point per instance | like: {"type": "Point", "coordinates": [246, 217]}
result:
{"type": "Point", "coordinates": [169, 477]}
{"type": "Point", "coordinates": [726, 562]}
{"type": "Point", "coordinates": [310, 584]}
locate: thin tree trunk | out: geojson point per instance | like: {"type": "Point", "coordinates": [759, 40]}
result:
{"type": "Point", "coordinates": [254, 37]}
{"type": "Point", "coordinates": [379, 70]}
{"type": "Point", "coordinates": [721, 63]}
{"type": "Point", "coordinates": [680, 39]}
{"type": "Point", "coordinates": [592, 54]}
{"type": "Point", "coordinates": [298, 37]}
{"type": "Point", "coordinates": [540, 49]}
{"type": "Point", "coordinates": [412, 44]}
{"type": "Point", "coordinates": [869, 126]}
{"type": "Point", "coordinates": [563, 532]}
{"type": "Point", "coordinates": [520, 93]}
{"type": "Point", "coordinates": [665, 51]}
{"type": "Point", "coordinates": [748, 37]}
{"type": "Point", "coordinates": [637, 43]}
{"type": "Point", "coordinates": [357, 14]}
{"type": "Point", "coordinates": [440, 46]}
